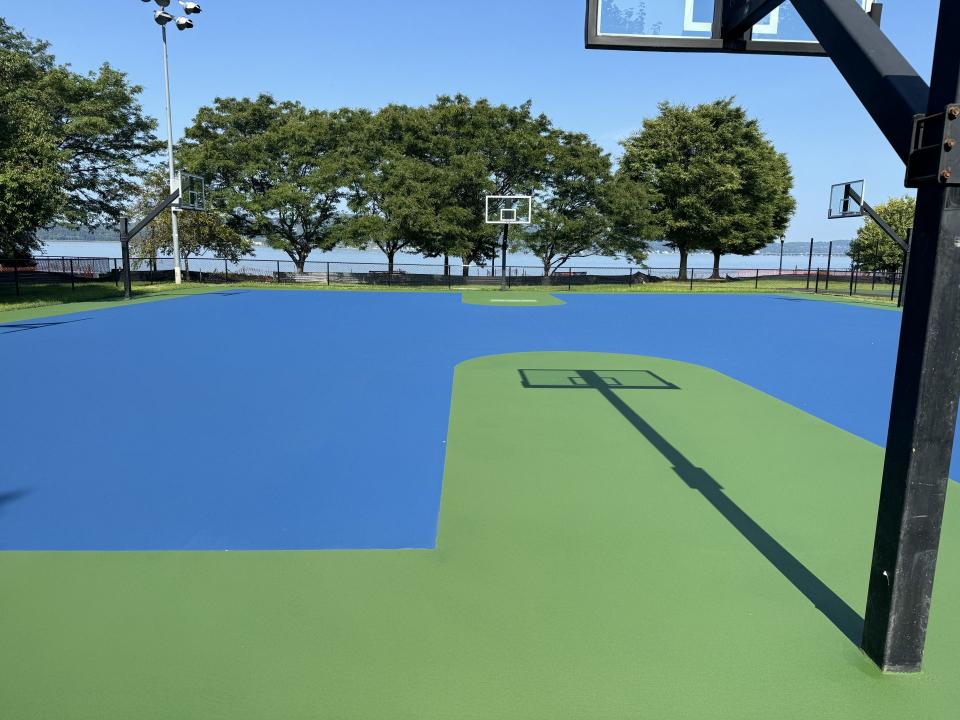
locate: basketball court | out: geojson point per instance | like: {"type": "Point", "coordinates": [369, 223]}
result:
{"type": "Point", "coordinates": [418, 508]}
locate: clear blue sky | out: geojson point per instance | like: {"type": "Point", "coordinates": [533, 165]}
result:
{"type": "Point", "coordinates": [333, 53]}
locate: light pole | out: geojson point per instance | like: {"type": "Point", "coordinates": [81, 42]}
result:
{"type": "Point", "coordinates": [163, 18]}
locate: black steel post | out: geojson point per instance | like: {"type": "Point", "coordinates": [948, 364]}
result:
{"type": "Point", "coordinates": [16, 279]}
{"type": "Point", "coordinates": [924, 408]}
{"type": "Point", "coordinates": [853, 272]}
{"type": "Point", "coordinates": [116, 275]}
{"type": "Point", "coordinates": [503, 258]}
{"type": "Point", "coordinates": [810, 264]}
{"type": "Point", "coordinates": [826, 284]}
{"type": "Point", "coordinates": [226, 271]}
{"type": "Point", "coordinates": [73, 285]}
{"type": "Point", "coordinates": [328, 273]}
{"type": "Point", "coordinates": [756, 285]}
{"type": "Point", "coordinates": [816, 288]}
{"type": "Point", "coordinates": [781, 257]}
{"type": "Point", "coordinates": [125, 256]}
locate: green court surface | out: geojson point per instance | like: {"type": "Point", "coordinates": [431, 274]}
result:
{"type": "Point", "coordinates": [620, 537]}
{"type": "Point", "coordinates": [511, 298]}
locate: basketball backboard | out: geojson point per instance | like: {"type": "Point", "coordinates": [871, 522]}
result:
{"type": "Point", "coordinates": [193, 195]}
{"type": "Point", "coordinates": [846, 200]}
{"type": "Point", "coordinates": [695, 26]}
{"type": "Point", "coordinates": [509, 209]}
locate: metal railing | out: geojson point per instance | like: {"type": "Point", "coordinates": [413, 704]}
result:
{"type": "Point", "coordinates": [26, 277]}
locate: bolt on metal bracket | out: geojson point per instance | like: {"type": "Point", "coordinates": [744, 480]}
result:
{"type": "Point", "coordinates": [935, 149]}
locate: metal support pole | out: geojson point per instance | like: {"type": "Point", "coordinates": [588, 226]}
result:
{"type": "Point", "coordinates": [328, 273]}
{"type": "Point", "coordinates": [16, 279]}
{"type": "Point", "coordinates": [826, 285]}
{"type": "Point", "coordinates": [924, 408]}
{"type": "Point", "coordinates": [810, 264]}
{"type": "Point", "coordinates": [756, 285]}
{"type": "Point", "coordinates": [503, 258]}
{"type": "Point", "coordinates": [173, 212]}
{"type": "Point", "coordinates": [816, 288]}
{"type": "Point", "coordinates": [116, 275]}
{"type": "Point", "coordinates": [73, 285]}
{"type": "Point", "coordinates": [691, 280]}
{"type": "Point", "coordinates": [853, 272]}
{"type": "Point", "coordinates": [780, 272]}
{"type": "Point", "coordinates": [125, 252]}
{"type": "Point", "coordinates": [226, 271]}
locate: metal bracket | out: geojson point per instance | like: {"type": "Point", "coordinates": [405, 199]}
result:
{"type": "Point", "coordinates": [935, 149]}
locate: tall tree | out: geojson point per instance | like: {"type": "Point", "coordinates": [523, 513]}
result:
{"type": "Point", "coordinates": [92, 124]}
{"type": "Point", "coordinates": [872, 249]}
{"type": "Point", "coordinates": [569, 222]}
{"type": "Point", "coordinates": [399, 194]}
{"type": "Point", "coordinates": [277, 169]}
{"type": "Point", "coordinates": [718, 182]}
{"type": "Point", "coordinates": [31, 172]}
{"type": "Point", "coordinates": [491, 150]}
{"type": "Point", "coordinates": [582, 210]}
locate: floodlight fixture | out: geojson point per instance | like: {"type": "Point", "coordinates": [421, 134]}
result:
{"type": "Point", "coordinates": [162, 17]}
{"type": "Point", "coordinates": [191, 8]}
{"type": "Point", "coordinates": [184, 23]}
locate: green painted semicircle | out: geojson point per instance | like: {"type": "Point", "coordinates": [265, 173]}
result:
{"type": "Point", "coordinates": [510, 299]}
{"type": "Point", "coordinates": [619, 537]}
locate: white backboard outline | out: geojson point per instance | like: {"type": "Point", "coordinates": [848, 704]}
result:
{"type": "Point", "coordinates": [768, 26]}
{"type": "Point", "coordinates": [193, 192]}
{"type": "Point", "coordinates": [519, 218]}
{"type": "Point", "coordinates": [847, 201]}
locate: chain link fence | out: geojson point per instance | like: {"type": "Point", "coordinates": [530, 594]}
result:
{"type": "Point", "coordinates": [88, 278]}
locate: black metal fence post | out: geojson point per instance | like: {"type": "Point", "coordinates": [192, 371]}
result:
{"type": "Point", "coordinates": [226, 271]}
{"type": "Point", "coordinates": [810, 264]}
{"type": "Point", "coordinates": [16, 278]}
{"type": "Point", "coordinates": [116, 275]}
{"type": "Point", "coordinates": [73, 285]}
{"type": "Point", "coordinates": [826, 282]}
{"type": "Point", "coordinates": [125, 253]}
{"type": "Point", "coordinates": [328, 273]}
{"type": "Point", "coordinates": [756, 285]}
{"type": "Point", "coordinates": [691, 279]}
{"type": "Point", "coordinates": [816, 288]}
{"type": "Point", "coordinates": [853, 272]}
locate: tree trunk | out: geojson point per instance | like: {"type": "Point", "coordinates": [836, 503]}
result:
{"type": "Point", "coordinates": [446, 265]}
{"type": "Point", "coordinates": [390, 256]}
{"type": "Point", "coordinates": [547, 280]}
{"type": "Point", "coordinates": [683, 264]}
{"type": "Point", "coordinates": [186, 266]}
{"type": "Point", "coordinates": [301, 262]}
{"type": "Point", "coordinates": [716, 265]}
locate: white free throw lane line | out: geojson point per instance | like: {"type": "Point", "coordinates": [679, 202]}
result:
{"type": "Point", "coordinates": [515, 301]}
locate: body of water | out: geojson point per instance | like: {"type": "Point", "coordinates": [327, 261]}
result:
{"type": "Point", "coordinates": [791, 261]}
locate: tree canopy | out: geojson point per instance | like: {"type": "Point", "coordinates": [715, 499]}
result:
{"type": "Point", "coordinates": [581, 209]}
{"type": "Point", "coordinates": [73, 145]}
{"type": "Point", "coordinates": [277, 169]}
{"type": "Point", "coordinates": [719, 185]}
{"type": "Point", "coordinates": [872, 249]}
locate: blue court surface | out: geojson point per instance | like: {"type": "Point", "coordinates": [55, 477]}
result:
{"type": "Point", "coordinates": [276, 420]}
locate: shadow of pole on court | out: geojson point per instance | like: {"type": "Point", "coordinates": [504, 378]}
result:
{"type": "Point", "coordinates": [606, 383]}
